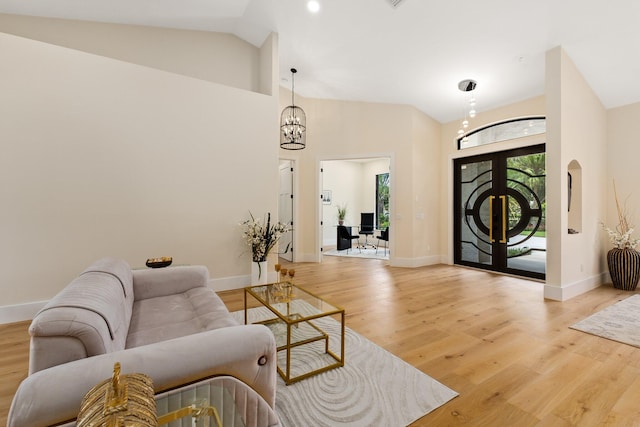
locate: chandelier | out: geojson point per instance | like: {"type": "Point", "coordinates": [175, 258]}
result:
{"type": "Point", "coordinates": [293, 124]}
{"type": "Point", "coordinates": [467, 86]}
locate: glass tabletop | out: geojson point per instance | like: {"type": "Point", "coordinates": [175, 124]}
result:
{"type": "Point", "coordinates": [214, 392]}
{"type": "Point", "coordinates": [285, 299]}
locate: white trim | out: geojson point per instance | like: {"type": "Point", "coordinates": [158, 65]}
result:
{"type": "Point", "coordinates": [574, 289]}
{"type": "Point", "coordinates": [296, 239]}
{"type": "Point", "coordinates": [20, 312]}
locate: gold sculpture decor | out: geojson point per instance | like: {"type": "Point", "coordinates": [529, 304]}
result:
{"type": "Point", "coordinates": [129, 401]}
{"type": "Point", "coordinates": [121, 401]}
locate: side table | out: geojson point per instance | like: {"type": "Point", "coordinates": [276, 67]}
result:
{"type": "Point", "coordinates": [308, 340]}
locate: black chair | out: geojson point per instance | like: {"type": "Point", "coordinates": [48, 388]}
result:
{"type": "Point", "coordinates": [384, 236]}
{"type": "Point", "coordinates": [345, 234]}
{"type": "Point", "coordinates": [367, 226]}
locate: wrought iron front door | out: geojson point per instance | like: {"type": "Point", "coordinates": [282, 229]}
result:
{"type": "Point", "coordinates": [500, 211]}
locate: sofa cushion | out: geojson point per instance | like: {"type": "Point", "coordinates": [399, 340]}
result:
{"type": "Point", "coordinates": [117, 268]}
{"type": "Point", "coordinates": [100, 295]}
{"type": "Point", "coordinates": [171, 316]}
{"type": "Point", "coordinates": [95, 308]}
{"type": "Point", "coordinates": [158, 282]}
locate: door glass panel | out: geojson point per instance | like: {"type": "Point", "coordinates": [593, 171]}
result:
{"type": "Point", "coordinates": [500, 211]}
{"type": "Point", "coordinates": [526, 206]}
{"type": "Point", "coordinates": [475, 190]}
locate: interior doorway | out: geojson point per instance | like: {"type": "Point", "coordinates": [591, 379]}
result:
{"type": "Point", "coordinates": [285, 209]}
{"type": "Point", "coordinates": [359, 185]}
{"type": "Point", "coordinates": [500, 211]}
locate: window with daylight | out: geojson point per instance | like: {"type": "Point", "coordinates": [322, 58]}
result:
{"type": "Point", "coordinates": [503, 131]}
{"type": "Point", "coordinates": [382, 201]}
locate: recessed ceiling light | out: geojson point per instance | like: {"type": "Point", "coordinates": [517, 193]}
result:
{"type": "Point", "coordinates": [313, 6]}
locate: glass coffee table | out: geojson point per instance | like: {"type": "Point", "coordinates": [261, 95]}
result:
{"type": "Point", "coordinates": [309, 331]}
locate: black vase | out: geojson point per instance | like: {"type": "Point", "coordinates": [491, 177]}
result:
{"type": "Point", "coordinates": [624, 268]}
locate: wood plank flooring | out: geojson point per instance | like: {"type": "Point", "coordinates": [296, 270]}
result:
{"type": "Point", "coordinates": [494, 339]}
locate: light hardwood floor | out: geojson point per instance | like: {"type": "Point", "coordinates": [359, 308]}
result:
{"type": "Point", "coordinates": [494, 339]}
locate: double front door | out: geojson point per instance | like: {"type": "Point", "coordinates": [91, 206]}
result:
{"type": "Point", "coordinates": [500, 211]}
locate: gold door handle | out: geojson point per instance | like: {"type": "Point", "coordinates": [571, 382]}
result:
{"type": "Point", "coordinates": [504, 219]}
{"type": "Point", "coordinates": [491, 239]}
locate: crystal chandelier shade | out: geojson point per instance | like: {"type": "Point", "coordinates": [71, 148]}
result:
{"type": "Point", "coordinates": [467, 87]}
{"type": "Point", "coordinates": [293, 124]}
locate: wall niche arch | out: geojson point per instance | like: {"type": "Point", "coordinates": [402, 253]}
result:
{"type": "Point", "coordinates": [574, 197]}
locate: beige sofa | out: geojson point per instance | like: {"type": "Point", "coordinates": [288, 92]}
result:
{"type": "Point", "coordinates": [167, 323]}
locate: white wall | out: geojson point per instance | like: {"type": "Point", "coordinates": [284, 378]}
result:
{"type": "Point", "coordinates": [103, 157]}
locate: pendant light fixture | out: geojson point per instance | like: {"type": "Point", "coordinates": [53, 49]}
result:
{"type": "Point", "coordinates": [293, 124]}
{"type": "Point", "coordinates": [467, 86]}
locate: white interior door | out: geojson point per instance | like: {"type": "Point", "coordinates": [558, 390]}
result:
{"type": "Point", "coordinates": [285, 208]}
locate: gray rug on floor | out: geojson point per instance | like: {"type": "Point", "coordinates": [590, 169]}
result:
{"type": "Point", "coordinates": [362, 253]}
{"type": "Point", "coordinates": [374, 388]}
{"type": "Point", "coordinates": [619, 322]}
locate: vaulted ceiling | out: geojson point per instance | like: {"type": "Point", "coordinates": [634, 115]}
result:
{"type": "Point", "coordinates": [413, 53]}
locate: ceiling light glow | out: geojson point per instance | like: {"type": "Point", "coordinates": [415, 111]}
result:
{"type": "Point", "coordinates": [313, 6]}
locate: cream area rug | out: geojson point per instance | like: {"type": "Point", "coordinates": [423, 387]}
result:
{"type": "Point", "coordinates": [619, 322]}
{"type": "Point", "coordinates": [374, 388]}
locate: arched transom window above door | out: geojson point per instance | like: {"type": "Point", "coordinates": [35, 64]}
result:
{"type": "Point", "coordinates": [503, 131]}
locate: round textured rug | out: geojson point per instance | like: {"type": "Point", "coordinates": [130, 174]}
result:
{"type": "Point", "coordinates": [374, 388]}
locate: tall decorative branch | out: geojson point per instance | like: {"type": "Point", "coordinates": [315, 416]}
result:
{"type": "Point", "coordinates": [621, 236]}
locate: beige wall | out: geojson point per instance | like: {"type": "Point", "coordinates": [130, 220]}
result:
{"type": "Point", "coordinates": [576, 131]}
{"type": "Point", "coordinates": [104, 157]}
{"type": "Point", "coordinates": [108, 157]}
{"type": "Point", "coordinates": [424, 202]}
{"type": "Point", "coordinates": [623, 154]}
{"type": "Point", "coordinates": [345, 129]}
{"type": "Point", "coordinates": [217, 57]}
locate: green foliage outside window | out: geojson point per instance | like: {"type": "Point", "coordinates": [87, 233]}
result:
{"type": "Point", "coordinates": [382, 200]}
{"type": "Point", "coordinates": [531, 171]}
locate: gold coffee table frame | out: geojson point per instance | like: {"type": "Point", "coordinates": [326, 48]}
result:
{"type": "Point", "coordinates": [296, 308]}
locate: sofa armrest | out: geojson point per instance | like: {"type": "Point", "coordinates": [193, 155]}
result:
{"type": "Point", "coordinates": [159, 282]}
{"type": "Point", "coordinates": [246, 352]}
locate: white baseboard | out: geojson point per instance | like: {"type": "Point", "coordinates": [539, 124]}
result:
{"type": "Point", "coordinates": [20, 312]}
{"type": "Point", "coordinates": [571, 290]}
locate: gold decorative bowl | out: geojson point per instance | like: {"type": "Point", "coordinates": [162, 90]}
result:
{"type": "Point", "coordinates": [159, 262]}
